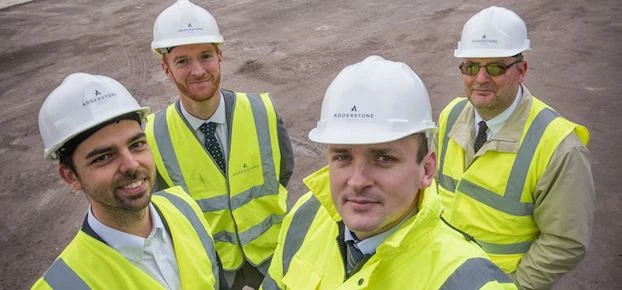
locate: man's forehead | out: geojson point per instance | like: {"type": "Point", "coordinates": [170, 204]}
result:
{"type": "Point", "coordinates": [194, 48]}
{"type": "Point", "coordinates": [363, 147]}
{"type": "Point", "coordinates": [120, 129]}
{"type": "Point", "coordinates": [487, 60]}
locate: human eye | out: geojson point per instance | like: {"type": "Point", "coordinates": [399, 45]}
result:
{"type": "Point", "coordinates": [340, 157]}
{"type": "Point", "coordinates": [470, 68]}
{"type": "Point", "coordinates": [138, 145]}
{"type": "Point", "coordinates": [102, 159]}
{"type": "Point", "coordinates": [495, 69]}
{"type": "Point", "coordinates": [181, 61]}
{"type": "Point", "coordinates": [385, 158]}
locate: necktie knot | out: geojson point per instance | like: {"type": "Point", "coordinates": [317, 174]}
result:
{"type": "Point", "coordinates": [481, 136]}
{"type": "Point", "coordinates": [208, 128]}
{"type": "Point", "coordinates": [211, 143]}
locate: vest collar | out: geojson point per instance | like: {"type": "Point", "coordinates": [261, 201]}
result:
{"type": "Point", "coordinates": [508, 138]}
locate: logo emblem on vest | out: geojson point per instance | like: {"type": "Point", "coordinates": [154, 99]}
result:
{"type": "Point", "coordinates": [245, 169]}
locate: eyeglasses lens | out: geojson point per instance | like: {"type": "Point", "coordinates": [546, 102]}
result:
{"type": "Point", "coordinates": [493, 69]}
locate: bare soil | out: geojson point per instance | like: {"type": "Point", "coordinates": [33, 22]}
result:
{"type": "Point", "coordinates": [292, 48]}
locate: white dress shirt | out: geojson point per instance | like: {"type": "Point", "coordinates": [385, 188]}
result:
{"type": "Point", "coordinates": [154, 255]}
{"type": "Point", "coordinates": [218, 117]}
{"type": "Point", "coordinates": [495, 124]}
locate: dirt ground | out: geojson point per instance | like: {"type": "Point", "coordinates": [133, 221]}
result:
{"type": "Point", "coordinates": [293, 49]}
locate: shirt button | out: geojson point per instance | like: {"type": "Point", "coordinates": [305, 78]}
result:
{"type": "Point", "coordinates": [361, 281]}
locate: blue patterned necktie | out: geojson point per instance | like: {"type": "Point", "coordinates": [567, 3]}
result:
{"type": "Point", "coordinates": [212, 145]}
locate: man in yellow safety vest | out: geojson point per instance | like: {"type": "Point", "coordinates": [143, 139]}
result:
{"type": "Point", "coordinates": [229, 150]}
{"type": "Point", "coordinates": [131, 238]}
{"type": "Point", "coordinates": [513, 173]}
{"type": "Point", "coordinates": [372, 219]}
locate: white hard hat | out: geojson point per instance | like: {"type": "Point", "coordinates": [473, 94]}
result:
{"type": "Point", "coordinates": [81, 102]}
{"type": "Point", "coordinates": [184, 23]}
{"type": "Point", "coordinates": [493, 32]}
{"type": "Point", "coordinates": [373, 101]}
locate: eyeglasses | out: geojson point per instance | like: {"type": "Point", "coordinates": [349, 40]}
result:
{"type": "Point", "coordinates": [493, 69]}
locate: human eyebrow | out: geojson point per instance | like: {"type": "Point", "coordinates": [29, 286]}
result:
{"type": "Point", "coordinates": [137, 136]}
{"type": "Point", "coordinates": [98, 151]}
{"type": "Point", "coordinates": [377, 151]}
{"type": "Point", "coordinates": [338, 150]}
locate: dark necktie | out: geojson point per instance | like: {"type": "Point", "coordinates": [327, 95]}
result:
{"type": "Point", "coordinates": [481, 136]}
{"type": "Point", "coordinates": [353, 256]}
{"type": "Point", "coordinates": [212, 145]}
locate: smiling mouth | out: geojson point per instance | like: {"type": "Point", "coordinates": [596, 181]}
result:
{"type": "Point", "coordinates": [134, 184]}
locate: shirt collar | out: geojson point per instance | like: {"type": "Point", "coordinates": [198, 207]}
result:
{"type": "Point", "coordinates": [368, 246]}
{"type": "Point", "coordinates": [218, 116]}
{"type": "Point", "coordinates": [495, 124]}
{"type": "Point", "coordinates": [130, 246]}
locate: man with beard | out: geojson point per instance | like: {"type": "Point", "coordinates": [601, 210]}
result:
{"type": "Point", "coordinates": [513, 173]}
{"type": "Point", "coordinates": [229, 150]}
{"type": "Point", "coordinates": [130, 238]}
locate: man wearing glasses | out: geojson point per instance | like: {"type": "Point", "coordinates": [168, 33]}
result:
{"type": "Point", "coordinates": [512, 172]}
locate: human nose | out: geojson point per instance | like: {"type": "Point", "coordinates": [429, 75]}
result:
{"type": "Point", "coordinates": [128, 163]}
{"type": "Point", "coordinates": [196, 69]}
{"type": "Point", "coordinates": [360, 177]}
{"type": "Point", "coordinates": [482, 75]}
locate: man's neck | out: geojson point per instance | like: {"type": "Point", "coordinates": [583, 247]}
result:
{"type": "Point", "coordinates": [137, 223]}
{"type": "Point", "coordinates": [202, 110]}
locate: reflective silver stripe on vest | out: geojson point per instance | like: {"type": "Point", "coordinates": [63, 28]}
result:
{"type": "Point", "coordinates": [191, 216]}
{"type": "Point", "coordinates": [268, 283]}
{"type": "Point", "coordinates": [443, 180]}
{"type": "Point", "coordinates": [215, 203]}
{"type": "Point", "coordinates": [509, 202]}
{"type": "Point", "coordinates": [60, 276]}
{"type": "Point", "coordinates": [301, 222]}
{"type": "Point", "coordinates": [251, 234]}
{"type": "Point", "coordinates": [506, 204]}
{"type": "Point", "coordinates": [473, 274]}
{"type": "Point", "coordinates": [165, 146]}
{"type": "Point", "coordinates": [518, 175]}
{"type": "Point", "coordinates": [505, 249]}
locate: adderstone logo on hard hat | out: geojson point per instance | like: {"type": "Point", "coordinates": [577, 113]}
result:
{"type": "Point", "coordinates": [98, 97]}
{"type": "Point", "coordinates": [189, 28]}
{"type": "Point", "coordinates": [354, 114]}
{"type": "Point", "coordinates": [484, 40]}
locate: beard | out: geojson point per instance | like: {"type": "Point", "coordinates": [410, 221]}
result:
{"type": "Point", "coordinates": [116, 199]}
{"type": "Point", "coordinates": [202, 95]}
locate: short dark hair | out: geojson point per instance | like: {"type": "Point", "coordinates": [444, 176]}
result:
{"type": "Point", "coordinates": [65, 153]}
{"type": "Point", "coordinates": [423, 146]}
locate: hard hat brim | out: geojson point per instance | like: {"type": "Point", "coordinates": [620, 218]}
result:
{"type": "Point", "coordinates": [167, 43]}
{"type": "Point", "coordinates": [52, 152]}
{"type": "Point", "coordinates": [359, 135]}
{"type": "Point", "coordinates": [487, 53]}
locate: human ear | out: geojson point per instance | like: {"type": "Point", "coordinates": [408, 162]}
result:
{"type": "Point", "coordinates": [70, 177]}
{"type": "Point", "coordinates": [429, 169]}
{"type": "Point", "coordinates": [166, 68]}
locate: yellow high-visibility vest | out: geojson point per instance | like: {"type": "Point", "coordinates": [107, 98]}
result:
{"type": "Point", "coordinates": [244, 206]}
{"type": "Point", "coordinates": [492, 198]}
{"type": "Point", "coordinates": [89, 263]}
